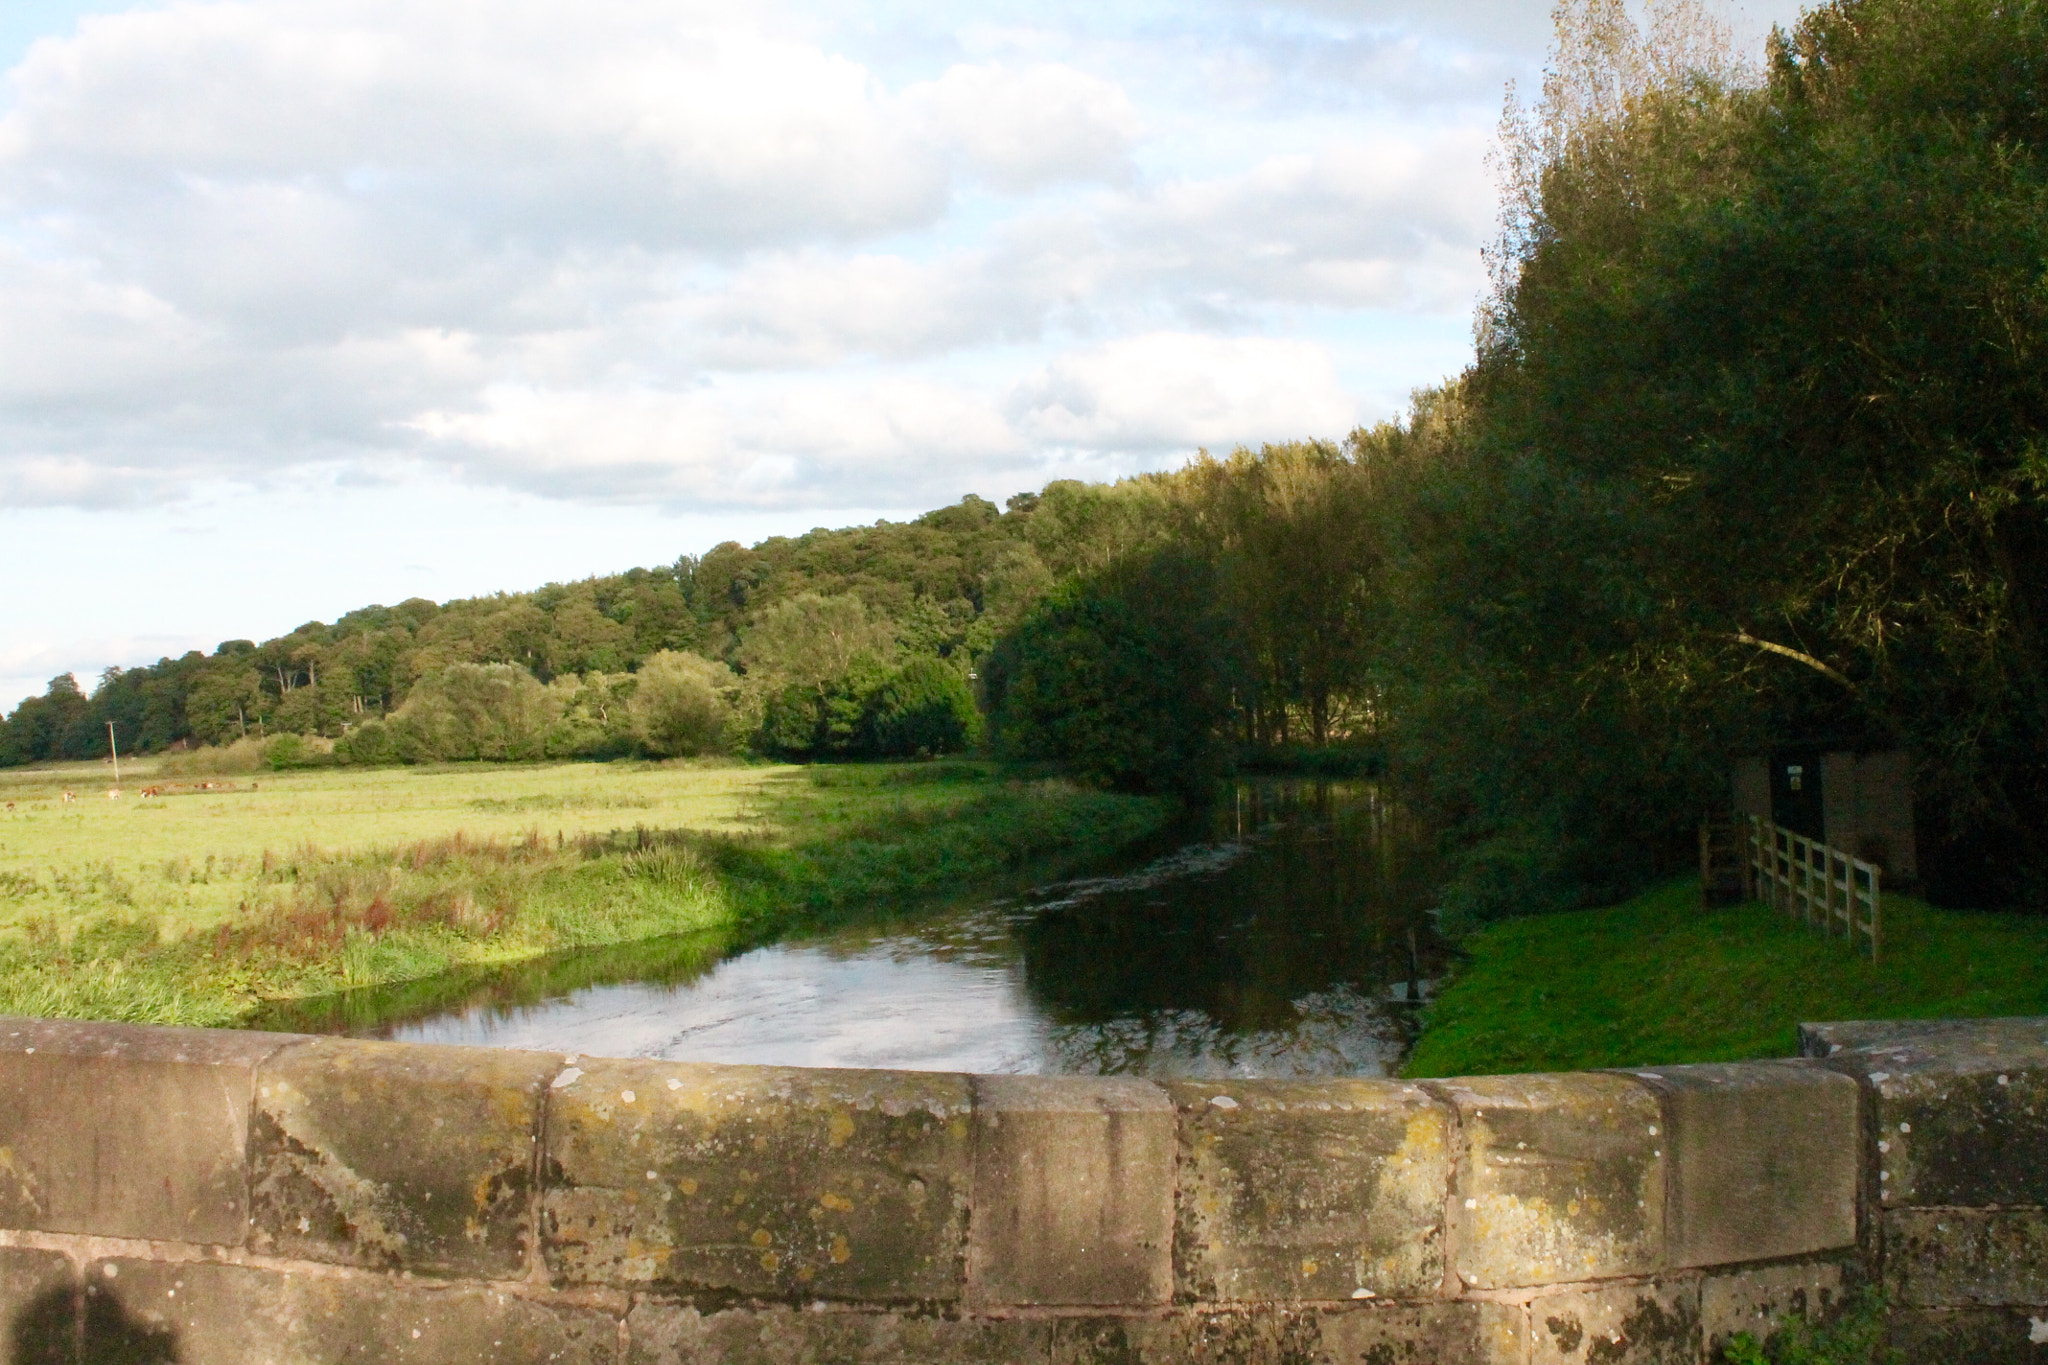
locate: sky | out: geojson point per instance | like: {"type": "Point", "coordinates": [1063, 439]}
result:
{"type": "Point", "coordinates": [308, 304]}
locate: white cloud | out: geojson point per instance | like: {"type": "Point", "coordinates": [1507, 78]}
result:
{"type": "Point", "coordinates": [1389, 222]}
{"type": "Point", "coordinates": [1038, 126]}
{"type": "Point", "coordinates": [525, 120]}
{"type": "Point", "coordinates": [680, 253]}
{"type": "Point", "coordinates": [1173, 390]}
{"type": "Point", "coordinates": [1097, 410]}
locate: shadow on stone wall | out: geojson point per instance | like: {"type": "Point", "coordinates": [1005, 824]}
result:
{"type": "Point", "coordinates": [50, 1330]}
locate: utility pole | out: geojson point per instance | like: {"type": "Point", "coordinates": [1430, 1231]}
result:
{"type": "Point", "coordinates": [115, 750]}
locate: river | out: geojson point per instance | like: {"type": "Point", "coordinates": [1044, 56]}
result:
{"type": "Point", "coordinates": [1282, 934]}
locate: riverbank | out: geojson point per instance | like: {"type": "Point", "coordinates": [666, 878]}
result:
{"type": "Point", "coordinates": [203, 905]}
{"type": "Point", "coordinates": [1657, 981]}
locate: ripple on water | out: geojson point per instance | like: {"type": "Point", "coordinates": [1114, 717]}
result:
{"type": "Point", "coordinates": [1276, 953]}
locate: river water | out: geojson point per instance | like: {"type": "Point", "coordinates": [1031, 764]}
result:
{"type": "Point", "coordinates": [1283, 935]}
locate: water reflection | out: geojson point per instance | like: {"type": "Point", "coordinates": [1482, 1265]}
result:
{"type": "Point", "coordinates": [1271, 943]}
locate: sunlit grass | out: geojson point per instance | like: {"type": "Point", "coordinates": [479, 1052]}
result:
{"type": "Point", "coordinates": [1659, 981]}
{"type": "Point", "coordinates": [189, 857]}
{"type": "Point", "coordinates": [199, 907]}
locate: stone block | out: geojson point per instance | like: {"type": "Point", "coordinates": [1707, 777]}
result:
{"type": "Point", "coordinates": [1761, 1299]}
{"type": "Point", "coordinates": [1073, 1192]}
{"type": "Point", "coordinates": [1425, 1334]}
{"type": "Point", "coordinates": [1642, 1324]}
{"type": "Point", "coordinates": [1967, 1258]}
{"type": "Point", "coordinates": [668, 1334]}
{"type": "Point", "coordinates": [127, 1131]}
{"type": "Point", "coordinates": [397, 1155]}
{"type": "Point", "coordinates": [208, 1313]}
{"type": "Point", "coordinates": [1562, 1180]}
{"type": "Point", "coordinates": [1959, 1106]}
{"type": "Point", "coordinates": [38, 1307]}
{"type": "Point", "coordinates": [1369, 1334]}
{"type": "Point", "coordinates": [1955, 1038]}
{"type": "Point", "coordinates": [766, 1181]}
{"type": "Point", "coordinates": [1762, 1160]}
{"type": "Point", "coordinates": [1316, 1190]}
{"type": "Point", "coordinates": [1971, 1336]}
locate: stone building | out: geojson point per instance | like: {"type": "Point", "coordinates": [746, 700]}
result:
{"type": "Point", "coordinates": [1861, 803]}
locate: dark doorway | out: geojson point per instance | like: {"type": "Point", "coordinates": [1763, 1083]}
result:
{"type": "Point", "coordinates": [1795, 792]}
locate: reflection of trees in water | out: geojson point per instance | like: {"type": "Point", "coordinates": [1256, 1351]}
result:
{"type": "Point", "coordinates": [1281, 953]}
{"type": "Point", "coordinates": [500, 992]}
{"type": "Point", "coordinates": [56, 1327]}
{"type": "Point", "coordinates": [1335, 1033]}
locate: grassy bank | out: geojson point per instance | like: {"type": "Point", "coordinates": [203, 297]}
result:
{"type": "Point", "coordinates": [202, 904]}
{"type": "Point", "coordinates": [1656, 980]}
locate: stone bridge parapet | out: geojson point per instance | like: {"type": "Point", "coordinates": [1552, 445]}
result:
{"type": "Point", "coordinates": [235, 1198]}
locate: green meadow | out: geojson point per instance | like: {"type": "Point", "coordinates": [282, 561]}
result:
{"type": "Point", "coordinates": [203, 906]}
{"type": "Point", "coordinates": [1659, 981]}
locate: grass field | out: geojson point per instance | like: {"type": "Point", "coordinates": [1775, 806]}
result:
{"type": "Point", "coordinates": [199, 906]}
{"type": "Point", "coordinates": [1658, 981]}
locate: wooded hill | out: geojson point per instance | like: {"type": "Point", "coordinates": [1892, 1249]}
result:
{"type": "Point", "coordinates": [861, 641]}
{"type": "Point", "coordinates": [1754, 448]}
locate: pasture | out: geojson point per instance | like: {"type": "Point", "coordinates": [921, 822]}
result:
{"type": "Point", "coordinates": [192, 856]}
{"type": "Point", "coordinates": [202, 905]}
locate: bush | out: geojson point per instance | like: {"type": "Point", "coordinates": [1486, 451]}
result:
{"type": "Point", "coordinates": [245, 755]}
{"type": "Point", "coordinates": [679, 707]}
{"type": "Point", "coordinates": [922, 708]}
{"type": "Point", "coordinates": [371, 742]}
{"type": "Point", "coordinates": [1119, 679]}
{"type": "Point", "coordinates": [283, 752]}
{"type": "Point", "coordinates": [790, 724]}
{"type": "Point", "coordinates": [1853, 1337]}
{"type": "Point", "coordinates": [475, 711]}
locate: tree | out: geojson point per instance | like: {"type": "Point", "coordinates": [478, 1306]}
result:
{"type": "Point", "coordinates": [1754, 444]}
{"type": "Point", "coordinates": [922, 708]}
{"type": "Point", "coordinates": [224, 703]}
{"type": "Point", "coordinates": [1299, 561]}
{"type": "Point", "coordinates": [1119, 677]}
{"type": "Point", "coordinates": [811, 640]}
{"type": "Point", "coordinates": [680, 704]}
{"type": "Point", "coordinates": [475, 711]}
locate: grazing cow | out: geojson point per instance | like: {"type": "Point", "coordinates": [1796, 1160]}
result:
{"type": "Point", "coordinates": [10, 805]}
{"type": "Point", "coordinates": [113, 793]}
{"type": "Point", "coordinates": [148, 792]}
{"type": "Point", "coordinates": [69, 797]}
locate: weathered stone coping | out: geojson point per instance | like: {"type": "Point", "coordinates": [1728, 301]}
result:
{"type": "Point", "coordinates": [267, 1197]}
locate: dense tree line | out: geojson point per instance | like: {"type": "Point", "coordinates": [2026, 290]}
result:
{"type": "Point", "coordinates": [1752, 449]}
{"type": "Point", "coordinates": [835, 643]}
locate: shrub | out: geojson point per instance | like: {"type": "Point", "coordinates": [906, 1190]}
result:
{"type": "Point", "coordinates": [371, 742]}
{"type": "Point", "coordinates": [1119, 679]}
{"type": "Point", "coordinates": [475, 711]}
{"type": "Point", "coordinates": [679, 707]}
{"type": "Point", "coordinates": [923, 707]}
{"type": "Point", "coordinates": [245, 755]}
{"type": "Point", "coordinates": [283, 752]}
{"type": "Point", "coordinates": [1855, 1336]}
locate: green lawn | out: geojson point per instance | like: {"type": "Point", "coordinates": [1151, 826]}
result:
{"type": "Point", "coordinates": [1659, 981]}
{"type": "Point", "coordinates": [203, 907]}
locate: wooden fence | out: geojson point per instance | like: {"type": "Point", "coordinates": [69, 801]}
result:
{"type": "Point", "coordinates": [1823, 886]}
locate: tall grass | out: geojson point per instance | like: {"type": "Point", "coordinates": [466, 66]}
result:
{"type": "Point", "coordinates": [311, 920]}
